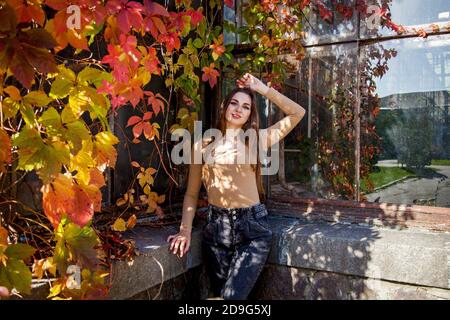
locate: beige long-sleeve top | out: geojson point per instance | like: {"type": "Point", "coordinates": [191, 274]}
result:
{"type": "Point", "coordinates": [234, 185]}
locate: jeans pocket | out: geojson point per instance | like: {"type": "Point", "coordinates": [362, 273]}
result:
{"type": "Point", "coordinates": [257, 227]}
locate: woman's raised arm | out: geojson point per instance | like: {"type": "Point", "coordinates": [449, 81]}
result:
{"type": "Point", "coordinates": [294, 113]}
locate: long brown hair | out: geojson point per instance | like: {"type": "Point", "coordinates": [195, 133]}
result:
{"type": "Point", "coordinates": [252, 122]}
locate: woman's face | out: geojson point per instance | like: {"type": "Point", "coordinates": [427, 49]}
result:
{"type": "Point", "coordinates": [238, 110]}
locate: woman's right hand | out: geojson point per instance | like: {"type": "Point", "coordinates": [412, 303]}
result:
{"type": "Point", "coordinates": [180, 243]}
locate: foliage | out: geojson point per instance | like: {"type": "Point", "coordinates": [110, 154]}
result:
{"type": "Point", "coordinates": [62, 83]}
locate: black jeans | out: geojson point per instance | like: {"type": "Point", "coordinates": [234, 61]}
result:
{"type": "Point", "coordinates": [235, 244]}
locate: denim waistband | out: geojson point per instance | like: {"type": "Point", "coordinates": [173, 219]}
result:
{"type": "Point", "coordinates": [258, 210]}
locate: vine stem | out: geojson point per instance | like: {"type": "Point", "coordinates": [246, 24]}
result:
{"type": "Point", "coordinates": [162, 162]}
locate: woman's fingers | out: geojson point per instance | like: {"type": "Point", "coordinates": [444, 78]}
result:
{"type": "Point", "coordinates": [187, 247]}
{"type": "Point", "coordinates": [176, 245]}
{"type": "Point", "coordinates": [182, 248]}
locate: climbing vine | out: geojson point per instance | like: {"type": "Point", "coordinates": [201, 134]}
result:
{"type": "Point", "coordinates": [66, 68]}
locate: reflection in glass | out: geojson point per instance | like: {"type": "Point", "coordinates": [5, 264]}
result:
{"type": "Point", "coordinates": [318, 30]}
{"type": "Point", "coordinates": [431, 15]}
{"type": "Point", "coordinates": [320, 150]}
{"type": "Point", "coordinates": [413, 123]}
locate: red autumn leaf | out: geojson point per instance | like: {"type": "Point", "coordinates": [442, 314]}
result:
{"type": "Point", "coordinates": [137, 129]}
{"type": "Point", "coordinates": [178, 21]}
{"type": "Point", "coordinates": [129, 14]}
{"type": "Point", "coordinates": [26, 11]}
{"type": "Point", "coordinates": [151, 62]}
{"type": "Point", "coordinates": [229, 3]}
{"type": "Point", "coordinates": [171, 40]}
{"type": "Point", "coordinates": [304, 4]}
{"type": "Point", "coordinates": [325, 13]}
{"type": "Point", "coordinates": [133, 120]}
{"type": "Point", "coordinates": [147, 128]}
{"type": "Point", "coordinates": [210, 74]}
{"type": "Point", "coordinates": [24, 49]}
{"type": "Point", "coordinates": [155, 25]}
{"type": "Point", "coordinates": [196, 16]}
{"type": "Point", "coordinates": [156, 101]}
{"type": "Point", "coordinates": [153, 22]}
{"type": "Point", "coordinates": [153, 8]}
{"type": "Point", "coordinates": [147, 115]}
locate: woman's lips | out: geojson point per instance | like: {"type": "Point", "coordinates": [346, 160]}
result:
{"type": "Point", "coordinates": [235, 116]}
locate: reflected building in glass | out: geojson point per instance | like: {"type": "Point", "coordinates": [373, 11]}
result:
{"type": "Point", "coordinates": [377, 126]}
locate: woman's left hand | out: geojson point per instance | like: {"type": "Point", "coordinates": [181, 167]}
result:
{"type": "Point", "coordinates": [249, 81]}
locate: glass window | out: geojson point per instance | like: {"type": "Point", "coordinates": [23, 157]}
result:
{"type": "Point", "coordinates": [336, 28]}
{"type": "Point", "coordinates": [319, 152]}
{"type": "Point", "coordinates": [409, 109]}
{"type": "Point", "coordinates": [431, 15]}
{"type": "Point", "coordinates": [233, 20]}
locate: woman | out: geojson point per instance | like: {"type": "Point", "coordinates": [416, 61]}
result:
{"type": "Point", "coordinates": [236, 238]}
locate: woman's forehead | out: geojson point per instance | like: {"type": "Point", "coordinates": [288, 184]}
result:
{"type": "Point", "coordinates": [242, 97]}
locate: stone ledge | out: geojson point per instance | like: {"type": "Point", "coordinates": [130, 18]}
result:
{"type": "Point", "coordinates": [154, 264]}
{"type": "Point", "coordinates": [410, 257]}
{"type": "Point", "coordinates": [378, 214]}
{"type": "Point", "coordinates": [406, 256]}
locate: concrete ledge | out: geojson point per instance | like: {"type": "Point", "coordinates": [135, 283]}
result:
{"type": "Point", "coordinates": [406, 256]}
{"type": "Point", "coordinates": [155, 264]}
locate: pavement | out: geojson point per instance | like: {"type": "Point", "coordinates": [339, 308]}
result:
{"type": "Point", "coordinates": [434, 190]}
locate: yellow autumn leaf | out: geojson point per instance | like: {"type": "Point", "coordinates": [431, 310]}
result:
{"type": "Point", "coordinates": [119, 225]}
{"type": "Point", "coordinates": [161, 198]}
{"type": "Point", "coordinates": [13, 92]}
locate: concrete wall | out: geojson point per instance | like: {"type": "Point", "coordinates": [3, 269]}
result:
{"type": "Point", "coordinates": [308, 260]}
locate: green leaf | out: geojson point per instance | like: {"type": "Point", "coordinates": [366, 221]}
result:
{"type": "Point", "coordinates": [61, 88]}
{"type": "Point", "coordinates": [51, 120]}
{"type": "Point", "coordinates": [201, 29]}
{"type": "Point", "coordinates": [75, 134]}
{"type": "Point", "coordinates": [16, 275]}
{"type": "Point", "coordinates": [82, 243]}
{"type": "Point", "coordinates": [182, 59]}
{"type": "Point", "coordinates": [89, 75]}
{"type": "Point", "coordinates": [53, 157]}
{"type": "Point", "coordinates": [198, 43]}
{"type": "Point", "coordinates": [37, 98]}
{"type": "Point", "coordinates": [10, 108]}
{"type": "Point", "coordinates": [195, 61]}
{"type": "Point", "coordinates": [30, 145]}
{"type": "Point", "coordinates": [27, 113]}
{"type": "Point", "coordinates": [67, 116]}
{"type": "Point", "coordinates": [19, 251]}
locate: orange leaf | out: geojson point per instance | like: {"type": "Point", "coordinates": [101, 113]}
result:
{"type": "Point", "coordinates": [210, 74]}
{"type": "Point", "coordinates": [131, 222]}
{"type": "Point", "coordinates": [5, 150]}
{"type": "Point", "coordinates": [3, 236]}
{"type": "Point", "coordinates": [135, 164]}
{"type": "Point", "coordinates": [64, 197]}
{"type": "Point", "coordinates": [96, 178]}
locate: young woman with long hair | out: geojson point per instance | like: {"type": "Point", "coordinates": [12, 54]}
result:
{"type": "Point", "coordinates": [236, 239]}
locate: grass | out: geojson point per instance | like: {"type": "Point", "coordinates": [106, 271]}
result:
{"type": "Point", "coordinates": [386, 175]}
{"type": "Point", "coordinates": [440, 162]}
